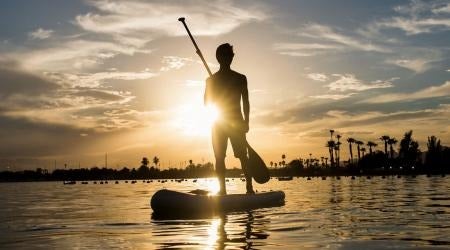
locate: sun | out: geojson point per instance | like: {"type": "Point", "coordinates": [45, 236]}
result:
{"type": "Point", "coordinates": [195, 119]}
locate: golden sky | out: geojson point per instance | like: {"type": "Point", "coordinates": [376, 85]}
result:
{"type": "Point", "coordinates": [85, 78]}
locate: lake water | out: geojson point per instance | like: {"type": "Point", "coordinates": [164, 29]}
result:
{"type": "Point", "coordinates": [391, 213]}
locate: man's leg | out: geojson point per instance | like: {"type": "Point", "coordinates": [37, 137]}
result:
{"type": "Point", "coordinates": [220, 141]}
{"type": "Point", "coordinates": [220, 171]}
{"type": "Point", "coordinates": [239, 143]}
{"type": "Point", "coordinates": [248, 177]}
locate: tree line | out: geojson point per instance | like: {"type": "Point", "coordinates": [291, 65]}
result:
{"type": "Point", "coordinates": [364, 157]}
{"type": "Point", "coordinates": [407, 159]}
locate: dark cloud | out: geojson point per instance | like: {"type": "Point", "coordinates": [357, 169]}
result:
{"type": "Point", "coordinates": [22, 137]}
{"type": "Point", "coordinates": [311, 110]}
{"type": "Point", "coordinates": [13, 82]}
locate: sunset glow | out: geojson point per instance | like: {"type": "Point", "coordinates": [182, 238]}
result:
{"type": "Point", "coordinates": [195, 119]}
{"type": "Point", "coordinates": [124, 78]}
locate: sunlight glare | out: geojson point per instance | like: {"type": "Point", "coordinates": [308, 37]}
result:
{"type": "Point", "coordinates": [195, 119]}
{"type": "Point", "coordinates": [213, 232]}
{"type": "Point", "coordinates": [212, 185]}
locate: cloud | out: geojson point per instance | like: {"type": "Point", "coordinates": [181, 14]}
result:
{"type": "Point", "coordinates": [323, 32]}
{"type": "Point", "coordinates": [75, 100]}
{"type": "Point", "coordinates": [418, 65]}
{"type": "Point", "coordinates": [442, 9]}
{"type": "Point", "coordinates": [317, 77]}
{"type": "Point", "coordinates": [430, 92]}
{"type": "Point", "coordinates": [159, 17]}
{"type": "Point", "coordinates": [326, 40]}
{"type": "Point", "coordinates": [333, 96]}
{"type": "Point", "coordinates": [71, 55]}
{"type": "Point", "coordinates": [348, 82]}
{"type": "Point", "coordinates": [174, 62]}
{"type": "Point", "coordinates": [304, 49]}
{"type": "Point", "coordinates": [414, 26]}
{"type": "Point", "coordinates": [93, 80]}
{"type": "Point", "coordinates": [40, 34]}
{"type": "Point", "coordinates": [15, 82]}
{"type": "Point", "coordinates": [415, 18]}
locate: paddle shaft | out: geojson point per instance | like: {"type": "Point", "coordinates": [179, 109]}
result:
{"type": "Point", "coordinates": [197, 50]}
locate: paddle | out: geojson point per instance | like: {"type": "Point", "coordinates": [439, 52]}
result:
{"type": "Point", "coordinates": [258, 168]}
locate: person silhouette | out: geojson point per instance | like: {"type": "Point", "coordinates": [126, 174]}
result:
{"type": "Point", "coordinates": [225, 89]}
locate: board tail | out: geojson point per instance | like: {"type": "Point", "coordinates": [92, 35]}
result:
{"type": "Point", "coordinates": [257, 167]}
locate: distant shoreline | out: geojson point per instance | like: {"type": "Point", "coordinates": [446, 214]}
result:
{"type": "Point", "coordinates": [24, 176]}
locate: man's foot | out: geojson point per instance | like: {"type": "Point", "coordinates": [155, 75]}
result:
{"type": "Point", "coordinates": [222, 192]}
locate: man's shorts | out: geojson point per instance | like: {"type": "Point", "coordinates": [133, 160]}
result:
{"type": "Point", "coordinates": [220, 134]}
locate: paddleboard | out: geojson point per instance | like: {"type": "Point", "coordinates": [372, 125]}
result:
{"type": "Point", "coordinates": [167, 201]}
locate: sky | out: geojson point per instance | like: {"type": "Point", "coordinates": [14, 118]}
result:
{"type": "Point", "coordinates": [79, 79]}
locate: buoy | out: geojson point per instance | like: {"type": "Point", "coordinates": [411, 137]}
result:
{"type": "Point", "coordinates": [309, 178]}
{"type": "Point", "coordinates": [117, 182]}
{"type": "Point", "coordinates": [324, 177]}
{"type": "Point", "coordinates": [353, 177]}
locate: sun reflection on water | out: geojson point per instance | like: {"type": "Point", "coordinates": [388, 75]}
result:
{"type": "Point", "coordinates": [213, 233]}
{"type": "Point", "coordinates": [212, 186]}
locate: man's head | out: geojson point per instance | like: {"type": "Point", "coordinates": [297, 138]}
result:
{"type": "Point", "coordinates": [224, 54]}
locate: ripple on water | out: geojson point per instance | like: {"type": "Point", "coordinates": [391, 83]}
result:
{"type": "Point", "coordinates": [336, 214]}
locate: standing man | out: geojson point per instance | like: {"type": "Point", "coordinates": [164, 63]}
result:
{"type": "Point", "coordinates": [225, 89]}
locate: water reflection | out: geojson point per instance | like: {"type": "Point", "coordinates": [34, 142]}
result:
{"type": "Point", "coordinates": [363, 213]}
{"type": "Point", "coordinates": [239, 230]}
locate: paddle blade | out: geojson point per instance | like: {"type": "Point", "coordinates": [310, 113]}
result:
{"type": "Point", "coordinates": [257, 167]}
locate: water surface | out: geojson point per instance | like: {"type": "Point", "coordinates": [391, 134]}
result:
{"type": "Point", "coordinates": [397, 213]}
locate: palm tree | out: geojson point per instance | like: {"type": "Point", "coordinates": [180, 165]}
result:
{"type": "Point", "coordinates": [358, 144]}
{"type": "Point", "coordinates": [331, 144]}
{"type": "Point", "coordinates": [283, 157]}
{"type": "Point", "coordinates": [326, 161]}
{"type": "Point", "coordinates": [271, 164]}
{"type": "Point", "coordinates": [385, 138]}
{"type": "Point", "coordinates": [145, 162]}
{"type": "Point", "coordinates": [338, 149]}
{"type": "Point", "coordinates": [350, 141]}
{"type": "Point", "coordinates": [392, 141]}
{"type": "Point", "coordinates": [363, 150]}
{"type": "Point", "coordinates": [409, 149]}
{"type": "Point", "coordinates": [155, 161]}
{"type": "Point", "coordinates": [191, 162]}
{"type": "Point", "coordinates": [331, 134]}
{"type": "Point", "coordinates": [371, 144]}
{"type": "Point", "coordinates": [321, 160]}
